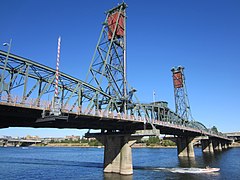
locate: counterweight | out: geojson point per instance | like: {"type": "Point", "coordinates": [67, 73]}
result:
{"type": "Point", "coordinates": [182, 107]}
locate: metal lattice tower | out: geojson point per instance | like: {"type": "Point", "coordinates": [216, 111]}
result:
{"type": "Point", "coordinates": [108, 67]}
{"type": "Point", "coordinates": [180, 94]}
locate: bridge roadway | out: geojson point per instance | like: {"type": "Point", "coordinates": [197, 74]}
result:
{"type": "Point", "coordinates": [19, 115]}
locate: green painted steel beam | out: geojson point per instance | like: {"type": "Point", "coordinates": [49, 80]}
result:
{"type": "Point", "coordinates": [51, 70]}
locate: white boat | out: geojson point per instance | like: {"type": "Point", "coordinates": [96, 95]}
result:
{"type": "Point", "coordinates": [208, 169]}
{"type": "Point", "coordinates": [194, 170]}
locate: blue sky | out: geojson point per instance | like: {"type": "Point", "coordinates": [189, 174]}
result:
{"type": "Point", "coordinates": [201, 35]}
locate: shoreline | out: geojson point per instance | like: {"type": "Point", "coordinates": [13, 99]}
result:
{"type": "Point", "coordinates": [87, 146]}
{"type": "Point", "coordinates": [134, 146]}
{"type": "Point", "coordinates": [84, 146]}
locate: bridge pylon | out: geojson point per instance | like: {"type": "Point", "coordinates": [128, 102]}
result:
{"type": "Point", "coordinates": [182, 107]}
{"type": "Point", "coordinates": [108, 67]}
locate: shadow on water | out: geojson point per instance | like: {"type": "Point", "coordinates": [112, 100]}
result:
{"type": "Point", "coordinates": [54, 163]}
{"type": "Point", "coordinates": [208, 158]}
{"type": "Point", "coordinates": [111, 176]}
{"type": "Point", "coordinates": [187, 162]}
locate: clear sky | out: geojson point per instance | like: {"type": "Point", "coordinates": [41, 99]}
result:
{"type": "Point", "coordinates": [201, 35]}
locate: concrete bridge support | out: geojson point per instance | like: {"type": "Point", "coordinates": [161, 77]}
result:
{"type": "Point", "coordinates": [211, 150]}
{"type": "Point", "coordinates": [217, 146]}
{"type": "Point", "coordinates": [117, 153]}
{"type": "Point", "coordinates": [2, 143]}
{"type": "Point", "coordinates": [185, 147]}
{"type": "Point", "coordinates": [207, 145]}
{"type": "Point", "coordinates": [224, 145]}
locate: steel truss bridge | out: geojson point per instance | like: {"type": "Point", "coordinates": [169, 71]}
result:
{"type": "Point", "coordinates": [27, 91]}
{"type": "Point", "coordinates": [34, 95]}
{"type": "Point", "coordinates": [104, 101]}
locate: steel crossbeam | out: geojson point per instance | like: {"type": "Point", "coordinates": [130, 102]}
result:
{"type": "Point", "coordinates": [31, 80]}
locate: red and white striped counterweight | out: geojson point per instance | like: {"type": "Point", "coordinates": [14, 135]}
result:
{"type": "Point", "coordinates": [56, 106]}
{"type": "Point", "coordinates": [57, 67]}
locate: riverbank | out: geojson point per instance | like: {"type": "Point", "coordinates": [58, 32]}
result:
{"type": "Point", "coordinates": [85, 145]}
{"type": "Point", "coordinates": [235, 144]}
{"type": "Point", "coordinates": [81, 145]}
{"type": "Point", "coordinates": [152, 142]}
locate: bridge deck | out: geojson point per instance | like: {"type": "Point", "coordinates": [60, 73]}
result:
{"type": "Point", "coordinates": [20, 116]}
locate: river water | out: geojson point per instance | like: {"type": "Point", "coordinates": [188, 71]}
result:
{"type": "Point", "coordinates": [87, 163]}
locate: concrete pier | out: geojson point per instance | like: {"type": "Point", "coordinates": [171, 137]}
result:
{"type": "Point", "coordinates": [117, 152]}
{"type": "Point", "coordinates": [207, 146]}
{"type": "Point", "coordinates": [211, 150]}
{"type": "Point", "coordinates": [217, 146]}
{"type": "Point", "coordinates": [185, 147]}
{"type": "Point", "coordinates": [224, 145]}
{"type": "Point", "coordinates": [126, 156]}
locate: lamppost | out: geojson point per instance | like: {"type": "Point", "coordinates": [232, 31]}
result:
{"type": "Point", "coordinates": [5, 65]}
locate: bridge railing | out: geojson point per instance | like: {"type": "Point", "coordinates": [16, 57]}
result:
{"type": "Point", "coordinates": [170, 121]}
{"type": "Point", "coordinates": [16, 100]}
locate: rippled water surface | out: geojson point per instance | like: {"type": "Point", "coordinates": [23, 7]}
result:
{"type": "Point", "coordinates": [87, 163]}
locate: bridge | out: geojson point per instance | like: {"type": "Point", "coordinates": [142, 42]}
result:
{"type": "Point", "coordinates": [34, 95]}
{"type": "Point", "coordinates": [234, 136]}
{"type": "Point", "coordinates": [17, 142]}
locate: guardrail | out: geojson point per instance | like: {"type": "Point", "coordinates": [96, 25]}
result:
{"type": "Point", "coordinates": [19, 101]}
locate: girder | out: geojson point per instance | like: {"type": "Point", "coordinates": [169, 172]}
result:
{"type": "Point", "coordinates": [31, 80]}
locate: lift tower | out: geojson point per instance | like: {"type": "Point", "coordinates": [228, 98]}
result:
{"type": "Point", "coordinates": [180, 94]}
{"type": "Point", "coordinates": [108, 67]}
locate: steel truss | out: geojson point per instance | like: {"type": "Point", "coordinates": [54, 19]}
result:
{"type": "Point", "coordinates": [30, 81]}
{"type": "Point", "coordinates": [182, 107]}
{"type": "Point", "coordinates": [106, 90]}
{"type": "Point", "coordinates": [108, 68]}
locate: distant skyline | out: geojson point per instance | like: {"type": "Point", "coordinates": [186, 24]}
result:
{"type": "Point", "coordinates": [203, 36]}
